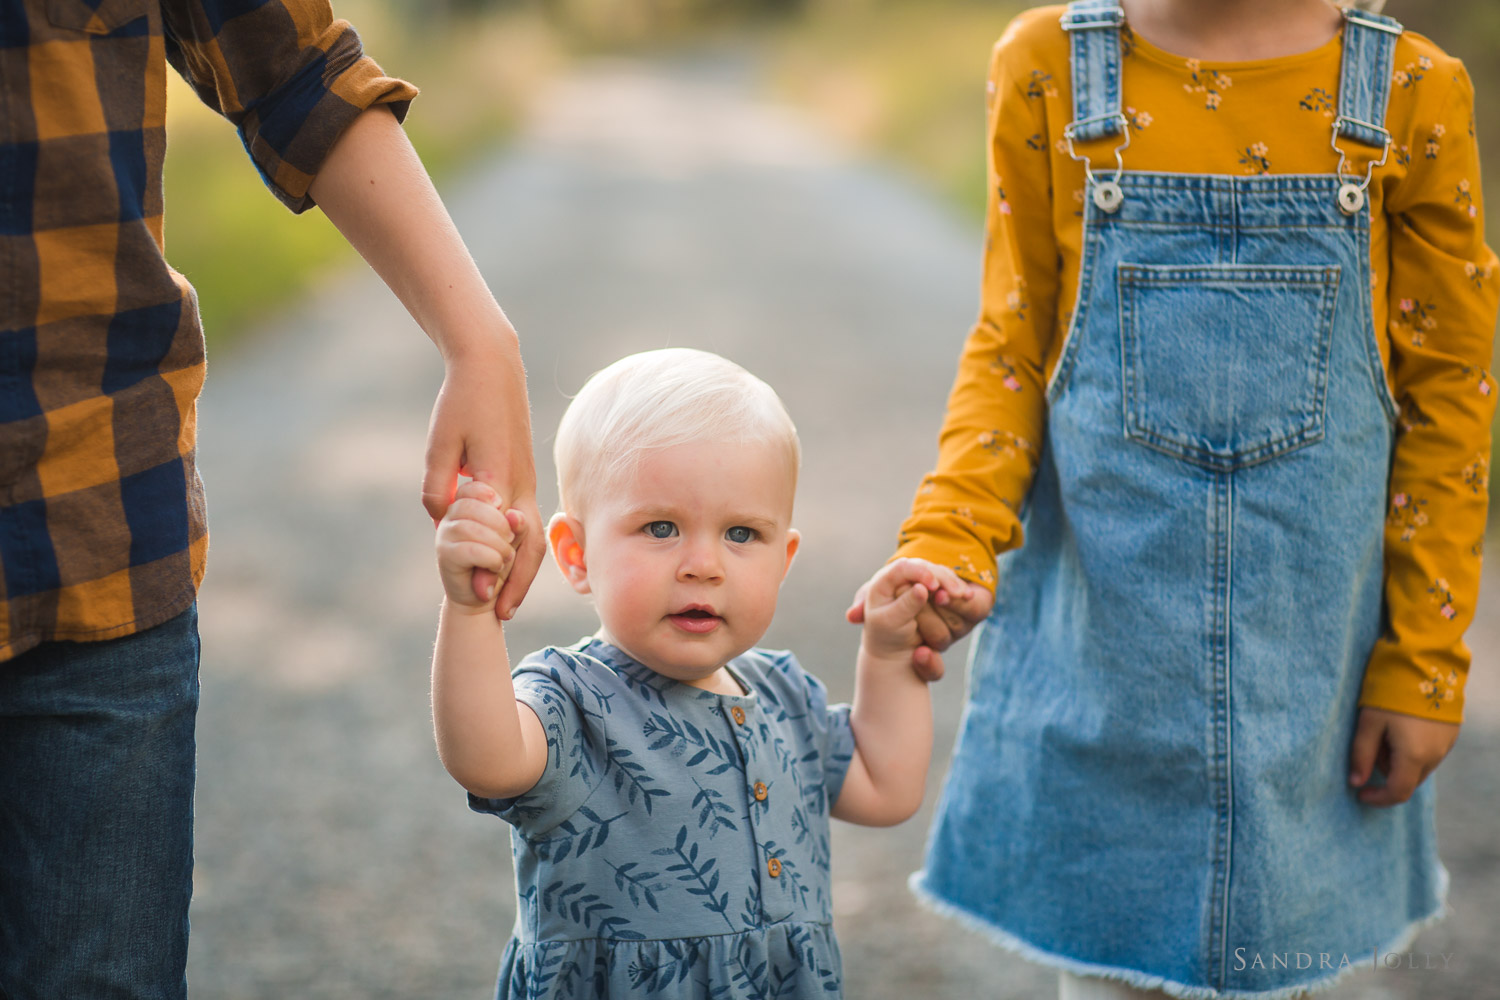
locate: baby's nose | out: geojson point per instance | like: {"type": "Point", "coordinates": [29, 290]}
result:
{"type": "Point", "coordinates": [701, 561]}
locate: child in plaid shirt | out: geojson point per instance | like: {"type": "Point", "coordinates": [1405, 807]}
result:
{"type": "Point", "coordinates": [102, 525]}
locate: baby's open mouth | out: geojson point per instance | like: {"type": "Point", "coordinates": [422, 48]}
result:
{"type": "Point", "coordinates": [697, 618]}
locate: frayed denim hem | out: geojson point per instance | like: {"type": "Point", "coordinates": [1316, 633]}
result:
{"type": "Point", "coordinates": [1146, 981]}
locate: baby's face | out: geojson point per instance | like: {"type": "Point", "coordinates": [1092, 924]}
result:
{"type": "Point", "coordinates": [685, 554]}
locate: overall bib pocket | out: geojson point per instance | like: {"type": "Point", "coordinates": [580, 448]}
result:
{"type": "Point", "coordinates": [1225, 365]}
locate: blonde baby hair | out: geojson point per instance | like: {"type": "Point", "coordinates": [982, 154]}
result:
{"type": "Point", "coordinates": [658, 399]}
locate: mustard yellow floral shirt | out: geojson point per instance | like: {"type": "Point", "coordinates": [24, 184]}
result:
{"type": "Point", "coordinates": [1435, 296]}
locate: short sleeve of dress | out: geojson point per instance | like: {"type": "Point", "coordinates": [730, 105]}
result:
{"type": "Point", "coordinates": [826, 727]}
{"type": "Point", "coordinates": [554, 684]}
{"type": "Point", "coordinates": [839, 748]}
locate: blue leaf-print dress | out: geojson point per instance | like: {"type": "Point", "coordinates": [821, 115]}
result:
{"type": "Point", "coordinates": [677, 844]}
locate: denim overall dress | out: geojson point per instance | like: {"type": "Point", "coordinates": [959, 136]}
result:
{"type": "Point", "coordinates": [1150, 780]}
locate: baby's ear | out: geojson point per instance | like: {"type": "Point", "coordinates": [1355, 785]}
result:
{"type": "Point", "coordinates": [565, 538]}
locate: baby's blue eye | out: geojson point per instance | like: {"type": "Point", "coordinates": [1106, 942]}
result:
{"type": "Point", "coordinates": [661, 529]}
{"type": "Point", "coordinates": [741, 534]}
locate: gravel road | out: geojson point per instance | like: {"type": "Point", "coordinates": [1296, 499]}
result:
{"type": "Point", "coordinates": [646, 205]}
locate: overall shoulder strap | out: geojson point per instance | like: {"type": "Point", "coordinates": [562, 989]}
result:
{"type": "Point", "coordinates": [1095, 29]}
{"type": "Point", "coordinates": [1365, 76]}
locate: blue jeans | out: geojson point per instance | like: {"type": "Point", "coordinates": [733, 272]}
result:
{"type": "Point", "coordinates": [96, 816]}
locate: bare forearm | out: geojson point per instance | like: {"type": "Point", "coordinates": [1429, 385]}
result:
{"type": "Point", "coordinates": [374, 188]}
{"type": "Point", "coordinates": [482, 735]}
{"type": "Point", "coordinates": [892, 723]}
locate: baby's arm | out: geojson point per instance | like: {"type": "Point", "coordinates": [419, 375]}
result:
{"type": "Point", "coordinates": [492, 745]}
{"type": "Point", "coordinates": [892, 716]}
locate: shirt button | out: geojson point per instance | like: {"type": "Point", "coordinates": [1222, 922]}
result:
{"type": "Point", "coordinates": [774, 867]}
{"type": "Point", "coordinates": [760, 791]}
{"type": "Point", "coordinates": [739, 715]}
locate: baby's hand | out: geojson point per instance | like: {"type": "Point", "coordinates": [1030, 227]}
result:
{"type": "Point", "coordinates": [893, 599]}
{"type": "Point", "coordinates": [475, 534]}
{"type": "Point", "coordinates": [1405, 748]}
{"type": "Point", "coordinates": [953, 608]}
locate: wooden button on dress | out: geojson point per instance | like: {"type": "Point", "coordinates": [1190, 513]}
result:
{"type": "Point", "coordinates": [774, 867]}
{"type": "Point", "coordinates": [739, 715]}
{"type": "Point", "coordinates": [760, 791]}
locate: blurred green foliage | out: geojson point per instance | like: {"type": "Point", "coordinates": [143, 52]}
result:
{"type": "Point", "coordinates": [241, 251]}
{"type": "Point", "coordinates": [244, 253]}
{"type": "Point", "coordinates": [903, 77]}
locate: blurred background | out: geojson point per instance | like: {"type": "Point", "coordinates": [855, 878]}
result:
{"type": "Point", "coordinates": [900, 80]}
{"type": "Point", "coordinates": [797, 184]}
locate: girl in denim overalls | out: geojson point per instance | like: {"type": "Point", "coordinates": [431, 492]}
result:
{"type": "Point", "coordinates": [1229, 382]}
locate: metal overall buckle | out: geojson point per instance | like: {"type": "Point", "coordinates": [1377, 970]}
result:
{"type": "Point", "coordinates": [1352, 190]}
{"type": "Point", "coordinates": [1106, 194]}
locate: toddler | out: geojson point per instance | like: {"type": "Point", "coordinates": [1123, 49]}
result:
{"type": "Point", "coordinates": [669, 784]}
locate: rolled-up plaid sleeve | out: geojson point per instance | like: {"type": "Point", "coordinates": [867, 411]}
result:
{"type": "Point", "coordinates": [288, 74]}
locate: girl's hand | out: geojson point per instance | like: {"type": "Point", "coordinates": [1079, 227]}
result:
{"type": "Point", "coordinates": [476, 534]}
{"type": "Point", "coordinates": [1405, 748]}
{"type": "Point", "coordinates": [952, 610]}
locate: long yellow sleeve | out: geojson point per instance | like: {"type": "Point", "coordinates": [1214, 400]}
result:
{"type": "Point", "coordinates": [967, 510]}
{"type": "Point", "coordinates": [1443, 294]}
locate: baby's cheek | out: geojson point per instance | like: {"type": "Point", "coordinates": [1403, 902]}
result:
{"type": "Point", "coordinates": [761, 605]}
{"type": "Point", "coordinates": [625, 596]}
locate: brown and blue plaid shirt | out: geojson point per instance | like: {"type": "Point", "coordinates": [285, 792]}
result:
{"type": "Point", "coordinates": [102, 529]}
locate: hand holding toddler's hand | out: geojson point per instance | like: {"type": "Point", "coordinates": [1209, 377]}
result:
{"type": "Point", "coordinates": [892, 604]}
{"type": "Point", "coordinates": [481, 428]}
{"type": "Point", "coordinates": [952, 609]}
{"type": "Point", "coordinates": [475, 534]}
{"type": "Point", "coordinates": [1405, 748]}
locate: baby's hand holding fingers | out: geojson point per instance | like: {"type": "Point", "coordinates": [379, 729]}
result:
{"type": "Point", "coordinates": [907, 601]}
{"type": "Point", "coordinates": [951, 605]}
{"type": "Point", "coordinates": [464, 552]}
{"type": "Point", "coordinates": [897, 595]}
{"type": "Point", "coordinates": [482, 582]}
{"type": "Point", "coordinates": [476, 490]}
{"type": "Point", "coordinates": [475, 546]}
{"type": "Point", "coordinates": [892, 582]}
{"type": "Point", "coordinates": [479, 502]}
{"type": "Point", "coordinates": [939, 581]}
